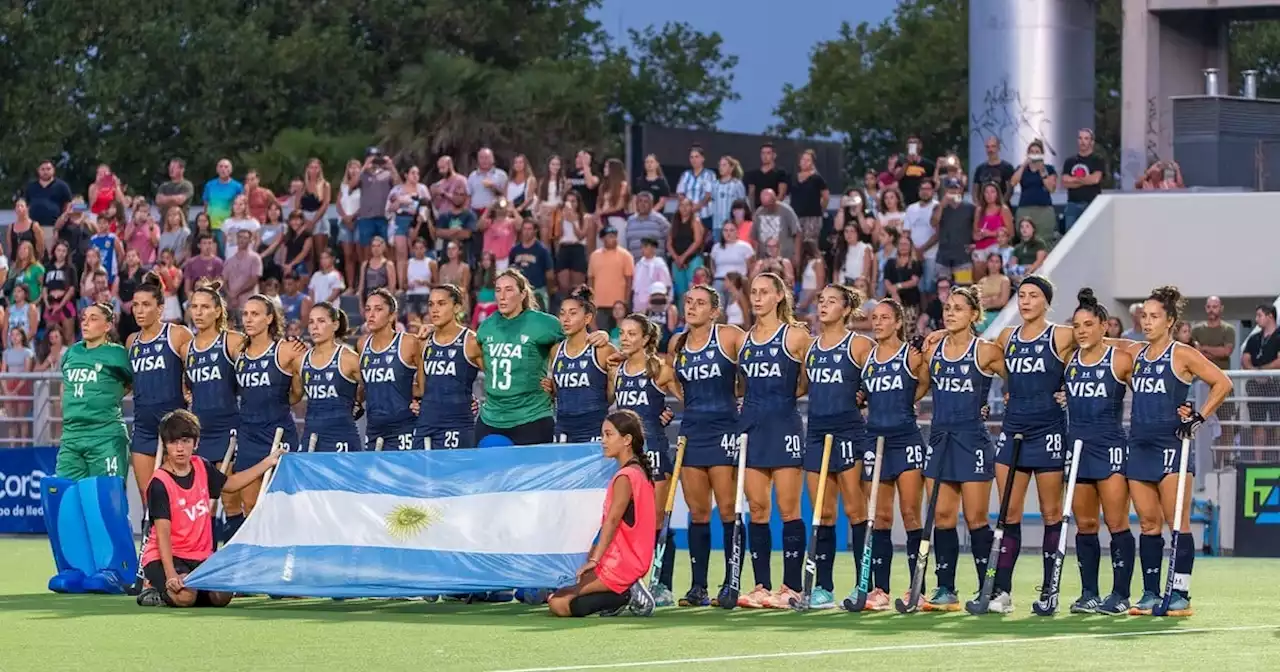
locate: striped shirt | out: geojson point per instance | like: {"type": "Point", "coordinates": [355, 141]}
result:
{"type": "Point", "coordinates": [639, 227]}
{"type": "Point", "coordinates": [723, 194]}
{"type": "Point", "coordinates": [695, 188]}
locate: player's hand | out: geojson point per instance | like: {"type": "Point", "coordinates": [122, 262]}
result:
{"type": "Point", "coordinates": [296, 345]}
{"type": "Point", "coordinates": [598, 339]}
{"type": "Point", "coordinates": [475, 407]}
{"type": "Point", "coordinates": [861, 399]}
{"type": "Point", "coordinates": [933, 338]}
{"type": "Point", "coordinates": [425, 330]}
{"type": "Point", "coordinates": [985, 412]}
{"type": "Point", "coordinates": [586, 567]}
{"type": "Point", "coordinates": [1190, 421]}
{"type": "Point", "coordinates": [616, 359]}
{"type": "Point", "coordinates": [357, 411]}
{"type": "Point", "coordinates": [917, 343]}
{"type": "Point", "coordinates": [173, 584]}
{"type": "Point", "coordinates": [274, 458]}
{"type": "Point", "coordinates": [548, 385]}
{"type": "Point", "coordinates": [416, 406]}
{"type": "Point", "coordinates": [667, 416]}
{"type": "Point", "coordinates": [1061, 398]}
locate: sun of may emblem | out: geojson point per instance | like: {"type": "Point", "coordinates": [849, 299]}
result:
{"type": "Point", "coordinates": [406, 521]}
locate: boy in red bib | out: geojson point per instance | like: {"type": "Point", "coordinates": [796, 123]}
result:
{"type": "Point", "coordinates": [612, 579]}
{"type": "Point", "coordinates": [179, 501]}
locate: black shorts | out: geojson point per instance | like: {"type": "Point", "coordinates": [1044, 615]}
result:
{"type": "Point", "coordinates": [597, 603]}
{"type": "Point", "coordinates": [542, 430]}
{"type": "Point", "coordinates": [154, 572]}
{"type": "Point", "coordinates": [571, 257]}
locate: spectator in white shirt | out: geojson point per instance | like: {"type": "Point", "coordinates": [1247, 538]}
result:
{"type": "Point", "coordinates": [697, 184]}
{"type": "Point", "coordinates": [730, 255]}
{"type": "Point", "coordinates": [326, 284]}
{"type": "Point", "coordinates": [241, 220]}
{"type": "Point", "coordinates": [487, 183]}
{"type": "Point", "coordinates": [918, 223]}
{"type": "Point", "coordinates": [650, 269]}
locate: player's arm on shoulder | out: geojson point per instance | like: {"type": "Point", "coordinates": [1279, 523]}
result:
{"type": "Point", "coordinates": [920, 368]}
{"type": "Point", "coordinates": [1125, 345]}
{"type": "Point", "coordinates": [349, 363]}
{"type": "Point", "coordinates": [991, 358]}
{"type": "Point", "coordinates": [1122, 364]}
{"type": "Point", "coordinates": [860, 349]}
{"type": "Point", "coordinates": [798, 341]}
{"type": "Point", "coordinates": [731, 337]}
{"type": "Point", "coordinates": [411, 350]}
{"type": "Point", "coordinates": [236, 342]}
{"type": "Point", "coordinates": [1064, 341]}
{"type": "Point", "coordinates": [474, 353]}
{"type": "Point", "coordinates": [669, 383]}
{"type": "Point", "coordinates": [1002, 341]}
{"type": "Point", "coordinates": [128, 342]}
{"type": "Point", "coordinates": [1189, 360]}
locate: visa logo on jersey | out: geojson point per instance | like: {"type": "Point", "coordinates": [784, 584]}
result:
{"type": "Point", "coordinates": [632, 398]}
{"type": "Point", "coordinates": [830, 376]}
{"type": "Point", "coordinates": [152, 363]}
{"type": "Point", "coordinates": [510, 350]}
{"type": "Point", "coordinates": [440, 367]}
{"type": "Point", "coordinates": [885, 383]}
{"type": "Point", "coordinates": [701, 371]}
{"type": "Point", "coordinates": [1026, 365]}
{"type": "Point", "coordinates": [1147, 385]}
{"type": "Point", "coordinates": [1087, 390]}
{"type": "Point", "coordinates": [572, 380]}
{"type": "Point", "coordinates": [82, 376]}
{"type": "Point", "coordinates": [322, 392]}
{"type": "Point", "coordinates": [379, 375]}
{"type": "Point", "coordinates": [253, 379]}
{"type": "Point", "coordinates": [945, 384]}
{"type": "Point", "coordinates": [205, 374]}
{"type": "Point", "coordinates": [762, 370]}
{"type": "Point", "coordinates": [199, 510]}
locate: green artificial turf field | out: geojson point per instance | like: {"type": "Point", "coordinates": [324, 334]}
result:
{"type": "Point", "coordinates": [1234, 629]}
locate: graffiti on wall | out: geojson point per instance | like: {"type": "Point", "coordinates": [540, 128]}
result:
{"type": "Point", "coordinates": [1005, 115]}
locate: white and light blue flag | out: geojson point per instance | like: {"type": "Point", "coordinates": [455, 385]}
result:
{"type": "Point", "coordinates": [403, 524]}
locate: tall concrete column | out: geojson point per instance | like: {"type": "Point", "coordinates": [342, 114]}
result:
{"type": "Point", "coordinates": [1031, 75]}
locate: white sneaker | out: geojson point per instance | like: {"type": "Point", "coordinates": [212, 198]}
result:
{"type": "Point", "coordinates": [1001, 603]}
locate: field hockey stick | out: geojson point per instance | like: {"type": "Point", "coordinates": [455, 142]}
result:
{"type": "Point", "coordinates": [377, 445]}
{"type": "Point", "coordinates": [276, 442]}
{"type": "Point", "coordinates": [1049, 605]}
{"type": "Point", "coordinates": [311, 443]}
{"type": "Point", "coordinates": [926, 542]}
{"type": "Point", "coordinates": [811, 558]}
{"type": "Point", "coordinates": [993, 558]}
{"type": "Point", "coordinates": [1171, 578]}
{"type": "Point", "coordinates": [224, 467]}
{"type": "Point", "coordinates": [864, 569]}
{"type": "Point", "coordinates": [139, 580]}
{"type": "Point", "coordinates": [735, 554]}
{"type": "Point", "coordinates": [666, 517]}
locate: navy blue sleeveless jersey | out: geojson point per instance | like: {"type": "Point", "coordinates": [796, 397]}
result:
{"type": "Point", "coordinates": [582, 394]}
{"type": "Point", "coordinates": [1157, 393]}
{"type": "Point", "coordinates": [960, 447]}
{"type": "Point", "coordinates": [388, 391]}
{"type": "Point", "coordinates": [834, 381]}
{"type": "Point", "coordinates": [264, 406]}
{"type": "Point", "coordinates": [1034, 376]}
{"type": "Point", "coordinates": [709, 422]}
{"type": "Point", "coordinates": [890, 387]}
{"type": "Point", "coordinates": [1095, 416]}
{"type": "Point", "coordinates": [640, 393]}
{"type": "Point", "coordinates": [445, 419]}
{"type": "Point", "coordinates": [214, 398]}
{"type": "Point", "coordinates": [157, 387]}
{"type": "Point", "coordinates": [774, 429]}
{"type": "Point", "coordinates": [331, 396]}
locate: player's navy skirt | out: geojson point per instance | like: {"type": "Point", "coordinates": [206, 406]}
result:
{"type": "Point", "coordinates": [960, 456]}
{"type": "Point", "coordinates": [848, 443]}
{"type": "Point", "coordinates": [445, 437]}
{"type": "Point", "coordinates": [658, 449]}
{"type": "Point", "coordinates": [215, 436]}
{"type": "Point", "coordinates": [581, 428]}
{"type": "Point", "coordinates": [710, 440]}
{"type": "Point", "coordinates": [1153, 458]}
{"type": "Point", "coordinates": [395, 436]}
{"type": "Point", "coordinates": [146, 428]}
{"type": "Point", "coordinates": [774, 441]}
{"type": "Point", "coordinates": [903, 451]}
{"type": "Point", "coordinates": [1043, 448]}
{"type": "Point", "coordinates": [333, 437]}
{"type": "Point", "coordinates": [1100, 456]}
{"type": "Point", "coordinates": [253, 442]}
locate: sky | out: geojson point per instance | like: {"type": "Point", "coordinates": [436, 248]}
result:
{"type": "Point", "coordinates": [794, 28]}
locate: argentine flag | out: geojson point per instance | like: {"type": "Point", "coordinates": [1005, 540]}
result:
{"type": "Point", "coordinates": [403, 524]}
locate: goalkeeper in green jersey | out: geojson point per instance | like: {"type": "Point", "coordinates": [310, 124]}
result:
{"type": "Point", "coordinates": [96, 375]}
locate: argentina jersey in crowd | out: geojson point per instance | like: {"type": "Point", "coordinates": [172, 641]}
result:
{"type": "Point", "coordinates": [640, 393]}
{"type": "Point", "coordinates": [769, 416]}
{"type": "Point", "coordinates": [1034, 377]}
{"type": "Point", "coordinates": [1153, 422]}
{"type": "Point", "coordinates": [331, 397]}
{"type": "Point", "coordinates": [891, 412]}
{"type": "Point", "coordinates": [960, 445]}
{"type": "Point", "coordinates": [388, 391]}
{"type": "Point", "coordinates": [1095, 416]}
{"type": "Point", "coordinates": [445, 419]}
{"type": "Point", "coordinates": [582, 395]}
{"type": "Point", "coordinates": [264, 406]}
{"type": "Point", "coordinates": [834, 381]}
{"type": "Point", "coordinates": [214, 398]}
{"type": "Point", "coordinates": [709, 422]}
{"type": "Point", "coordinates": [157, 387]}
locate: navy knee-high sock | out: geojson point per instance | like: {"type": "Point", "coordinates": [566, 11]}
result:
{"type": "Point", "coordinates": [1122, 558]}
{"type": "Point", "coordinates": [700, 551]}
{"type": "Point", "coordinates": [1089, 554]}
{"type": "Point", "coordinates": [669, 559]}
{"type": "Point", "coordinates": [946, 550]}
{"type": "Point", "coordinates": [1052, 535]}
{"type": "Point", "coordinates": [761, 553]}
{"type": "Point", "coordinates": [793, 547]}
{"type": "Point", "coordinates": [881, 557]}
{"type": "Point", "coordinates": [913, 552]}
{"type": "Point", "coordinates": [1150, 552]}
{"type": "Point", "coordinates": [980, 540]}
{"type": "Point", "coordinates": [1184, 559]}
{"type": "Point", "coordinates": [858, 537]}
{"type": "Point", "coordinates": [825, 552]}
{"type": "Point", "coordinates": [728, 548]}
{"type": "Point", "coordinates": [1010, 548]}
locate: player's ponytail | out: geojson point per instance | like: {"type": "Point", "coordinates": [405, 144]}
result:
{"type": "Point", "coordinates": [152, 284]}
{"type": "Point", "coordinates": [275, 325]}
{"type": "Point", "coordinates": [972, 295]}
{"type": "Point", "coordinates": [584, 296]}
{"type": "Point", "coordinates": [1171, 300]}
{"type": "Point", "coordinates": [898, 314]}
{"type": "Point", "coordinates": [530, 302]}
{"type": "Point", "coordinates": [652, 335]}
{"type": "Point", "coordinates": [713, 297]}
{"type": "Point", "coordinates": [1089, 303]}
{"type": "Point", "coordinates": [213, 288]}
{"type": "Point", "coordinates": [337, 315]}
{"type": "Point", "coordinates": [459, 304]}
{"type": "Point", "coordinates": [628, 424]}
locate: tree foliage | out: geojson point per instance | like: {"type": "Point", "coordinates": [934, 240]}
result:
{"type": "Point", "coordinates": [133, 82]}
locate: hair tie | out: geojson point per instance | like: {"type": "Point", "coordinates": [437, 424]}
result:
{"type": "Point", "coordinates": [1040, 283]}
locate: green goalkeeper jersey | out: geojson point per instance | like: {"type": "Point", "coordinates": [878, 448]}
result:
{"type": "Point", "coordinates": [95, 380]}
{"type": "Point", "coordinates": [515, 362]}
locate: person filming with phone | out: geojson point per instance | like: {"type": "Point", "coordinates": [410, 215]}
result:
{"type": "Point", "coordinates": [912, 170]}
{"type": "Point", "coordinates": [1037, 179]}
